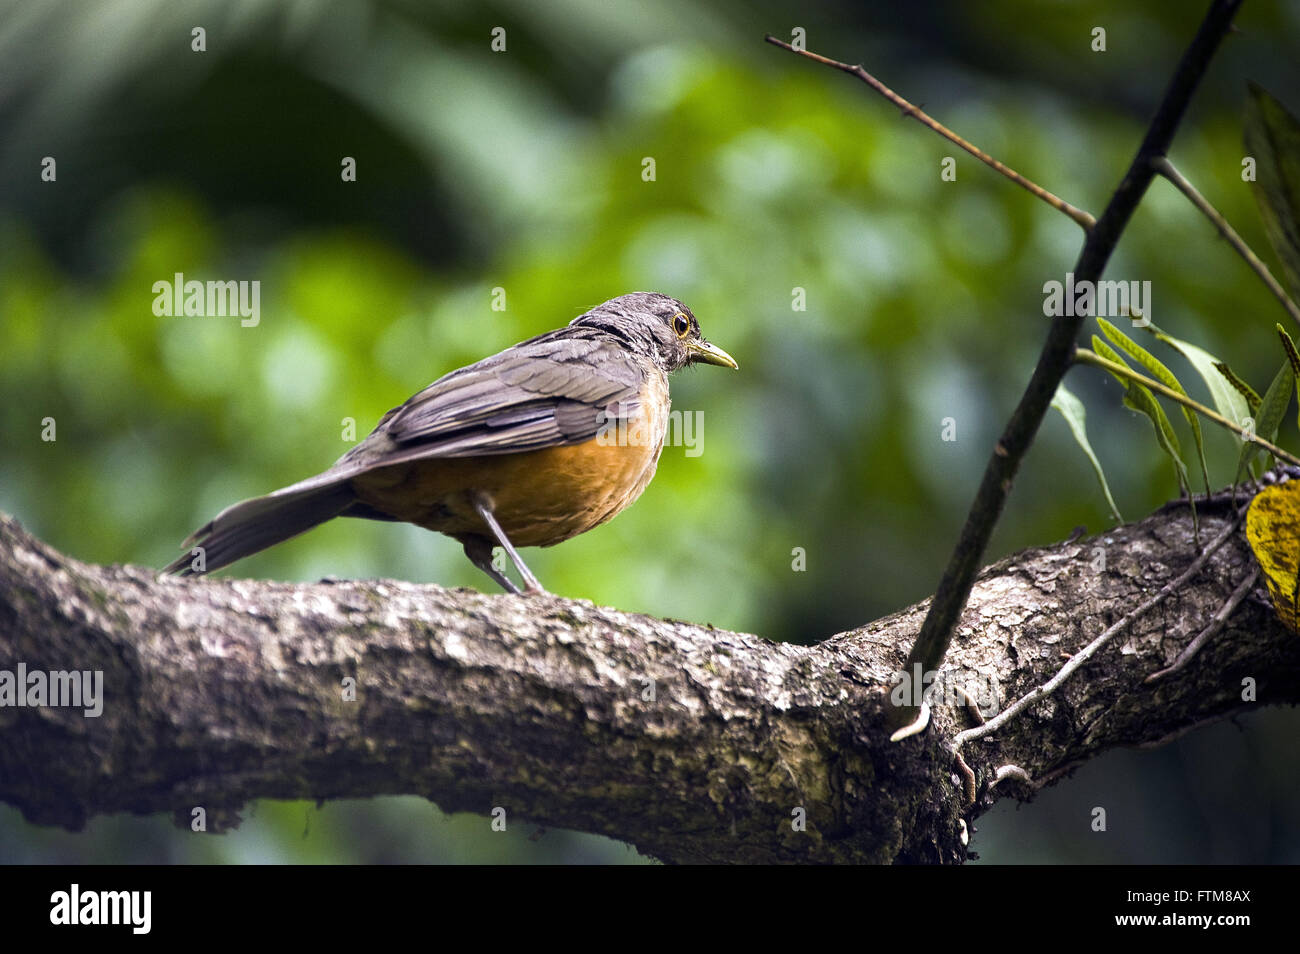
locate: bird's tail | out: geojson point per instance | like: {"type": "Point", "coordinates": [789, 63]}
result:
{"type": "Point", "coordinates": [252, 525]}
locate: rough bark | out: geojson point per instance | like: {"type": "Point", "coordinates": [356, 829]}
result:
{"type": "Point", "coordinates": [221, 691]}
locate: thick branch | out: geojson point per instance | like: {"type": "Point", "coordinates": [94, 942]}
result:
{"type": "Point", "coordinates": [692, 743]}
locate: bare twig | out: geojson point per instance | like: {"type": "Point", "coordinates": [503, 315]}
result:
{"type": "Point", "coordinates": [1005, 772]}
{"type": "Point", "coordinates": [1216, 623]}
{"type": "Point", "coordinates": [1084, 219]}
{"type": "Point", "coordinates": [1166, 169]}
{"type": "Point", "coordinates": [916, 726]}
{"type": "Point", "coordinates": [972, 707]}
{"type": "Point", "coordinates": [968, 788]}
{"type": "Point", "coordinates": [1094, 647]}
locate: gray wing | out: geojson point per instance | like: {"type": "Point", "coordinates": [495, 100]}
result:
{"type": "Point", "coordinates": [555, 389]}
{"type": "Point", "coordinates": [552, 390]}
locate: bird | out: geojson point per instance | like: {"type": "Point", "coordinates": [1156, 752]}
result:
{"type": "Point", "coordinates": [528, 447]}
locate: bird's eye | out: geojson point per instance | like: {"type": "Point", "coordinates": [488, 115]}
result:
{"type": "Point", "coordinates": [681, 324]}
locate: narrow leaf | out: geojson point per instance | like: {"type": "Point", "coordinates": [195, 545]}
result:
{"type": "Point", "coordinates": [1229, 400]}
{"type": "Point", "coordinates": [1166, 377]}
{"type": "Point", "coordinates": [1076, 417]}
{"type": "Point", "coordinates": [1245, 390]}
{"type": "Point", "coordinates": [1291, 355]}
{"type": "Point", "coordinates": [1271, 411]}
{"type": "Point", "coordinates": [1289, 347]}
{"type": "Point", "coordinates": [1273, 140]}
{"type": "Point", "coordinates": [1139, 398]}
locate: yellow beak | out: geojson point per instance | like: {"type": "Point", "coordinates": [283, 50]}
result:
{"type": "Point", "coordinates": [706, 353]}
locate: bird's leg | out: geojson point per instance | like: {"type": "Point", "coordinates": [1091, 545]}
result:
{"type": "Point", "coordinates": [484, 511]}
{"type": "Point", "coordinates": [479, 551]}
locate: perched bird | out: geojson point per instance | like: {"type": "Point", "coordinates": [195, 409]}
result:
{"type": "Point", "coordinates": [532, 446]}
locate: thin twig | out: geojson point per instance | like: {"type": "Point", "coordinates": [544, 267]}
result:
{"type": "Point", "coordinates": [1085, 356]}
{"type": "Point", "coordinates": [1216, 623]}
{"type": "Point", "coordinates": [1058, 353]}
{"type": "Point", "coordinates": [1094, 647]}
{"type": "Point", "coordinates": [1082, 218]}
{"type": "Point", "coordinates": [1005, 772]}
{"type": "Point", "coordinates": [1166, 169]}
{"type": "Point", "coordinates": [972, 707]}
{"type": "Point", "coordinates": [916, 726]}
{"type": "Point", "coordinates": [968, 780]}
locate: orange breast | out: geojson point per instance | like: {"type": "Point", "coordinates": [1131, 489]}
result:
{"type": "Point", "coordinates": [539, 497]}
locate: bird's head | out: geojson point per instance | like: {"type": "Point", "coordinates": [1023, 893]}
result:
{"type": "Point", "coordinates": [658, 326]}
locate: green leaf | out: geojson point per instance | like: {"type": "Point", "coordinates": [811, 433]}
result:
{"type": "Point", "coordinates": [1139, 398]}
{"type": "Point", "coordinates": [1166, 377]}
{"type": "Point", "coordinates": [1289, 347]}
{"type": "Point", "coordinates": [1245, 390]}
{"type": "Point", "coordinates": [1229, 400]}
{"type": "Point", "coordinates": [1273, 139]}
{"type": "Point", "coordinates": [1291, 355]}
{"type": "Point", "coordinates": [1076, 417]}
{"type": "Point", "coordinates": [1271, 411]}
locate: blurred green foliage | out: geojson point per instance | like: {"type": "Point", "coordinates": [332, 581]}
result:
{"type": "Point", "coordinates": [523, 170]}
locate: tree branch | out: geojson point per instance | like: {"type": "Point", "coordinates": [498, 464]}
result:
{"type": "Point", "coordinates": [1166, 169]}
{"type": "Point", "coordinates": [1081, 218]}
{"type": "Point", "coordinates": [1058, 350]}
{"type": "Point", "coordinates": [692, 743]}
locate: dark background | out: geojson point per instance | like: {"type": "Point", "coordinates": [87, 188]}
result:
{"type": "Point", "coordinates": [522, 170]}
